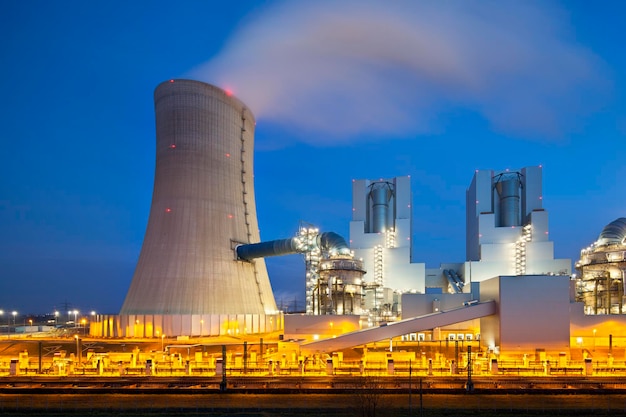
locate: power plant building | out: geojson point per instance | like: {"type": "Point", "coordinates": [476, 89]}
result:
{"type": "Point", "coordinates": [602, 271]}
{"type": "Point", "coordinates": [507, 227]}
{"type": "Point", "coordinates": [380, 234]}
{"type": "Point", "coordinates": [201, 270]}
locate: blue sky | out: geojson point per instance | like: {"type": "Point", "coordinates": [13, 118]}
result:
{"type": "Point", "coordinates": [341, 90]}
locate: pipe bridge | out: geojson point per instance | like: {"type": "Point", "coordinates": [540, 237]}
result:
{"type": "Point", "coordinates": [415, 324]}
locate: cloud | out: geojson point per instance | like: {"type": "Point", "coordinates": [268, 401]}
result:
{"type": "Point", "coordinates": [345, 68]}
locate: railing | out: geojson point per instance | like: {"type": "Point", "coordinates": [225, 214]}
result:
{"type": "Point", "coordinates": [439, 368]}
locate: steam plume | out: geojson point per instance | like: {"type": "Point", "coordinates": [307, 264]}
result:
{"type": "Point", "coordinates": [344, 68]}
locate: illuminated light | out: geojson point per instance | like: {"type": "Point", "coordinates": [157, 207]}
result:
{"type": "Point", "coordinates": [476, 201]}
{"type": "Point", "coordinates": [227, 155]}
{"type": "Point", "coordinates": [168, 210]}
{"type": "Point", "coordinates": [353, 209]}
{"type": "Point", "coordinates": [171, 81]}
{"type": "Point", "coordinates": [540, 166]}
{"type": "Point", "coordinates": [228, 92]}
{"type": "Point", "coordinates": [540, 197]}
{"type": "Point", "coordinates": [546, 233]}
{"type": "Point", "coordinates": [230, 216]}
{"type": "Point", "coordinates": [172, 146]}
{"type": "Point", "coordinates": [480, 235]}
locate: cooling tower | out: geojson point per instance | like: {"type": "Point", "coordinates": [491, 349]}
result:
{"type": "Point", "coordinates": [187, 279]}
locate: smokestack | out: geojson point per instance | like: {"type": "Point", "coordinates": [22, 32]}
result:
{"type": "Point", "coordinates": [187, 280]}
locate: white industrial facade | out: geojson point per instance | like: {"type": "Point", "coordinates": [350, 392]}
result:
{"type": "Point", "coordinates": [380, 234]}
{"type": "Point", "coordinates": [507, 227]}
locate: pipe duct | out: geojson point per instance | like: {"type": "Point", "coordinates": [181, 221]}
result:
{"type": "Point", "coordinates": [329, 242]}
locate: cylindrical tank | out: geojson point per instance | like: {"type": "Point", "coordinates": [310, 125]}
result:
{"type": "Point", "coordinates": [203, 204]}
{"type": "Point", "coordinates": [380, 195]}
{"type": "Point", "coordinates": [341, 286]}
{"type": "Point", "coordinates": [509, 194]}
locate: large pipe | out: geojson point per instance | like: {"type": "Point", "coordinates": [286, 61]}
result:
{"type": "Point", "coordinates": [327, 242]}
{"type": "Point", "coordinates": [266, 249]}
{"type": "Point", "coordinates": [332, 243]}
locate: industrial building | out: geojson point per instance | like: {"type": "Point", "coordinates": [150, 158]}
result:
{"type": "Point", "coordinates": [602, 271]}
{"type": "Point", "coordinates": [201, 271]}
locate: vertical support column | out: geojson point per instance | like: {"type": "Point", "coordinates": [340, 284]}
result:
{"type": "Point", "coordinates": [245, 358]}
{"type": "Point", "coordinates": [40, 355]}
{"type": "Point", "coordinates": [223, 383]}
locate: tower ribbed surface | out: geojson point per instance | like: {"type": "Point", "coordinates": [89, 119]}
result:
{"type": "Point", "coordinates": [202, 205]}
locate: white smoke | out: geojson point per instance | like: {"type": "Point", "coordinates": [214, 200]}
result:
{"type": "Point", "coordinates": [344, 68]}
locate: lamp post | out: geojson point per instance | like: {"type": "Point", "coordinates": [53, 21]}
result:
{"type": "Point", "coordinates": [75, 317]}
{"type": "Point", "coordinates": [162, 343]}
{"type": "Point", "coordinates": [2, 314]}
{"type": "Point", "coordinates": [56, 318]}
{"type": "Point", "coordinates": [78, 358]}
{"type": "Point", "coordinates": [30, 325]}
{"type": "Point", "coordinates": [594, 340]}
{"type": "Point", "coordinates": [14, 313]}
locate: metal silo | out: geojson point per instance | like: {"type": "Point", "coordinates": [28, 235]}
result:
{"type": "Point", "coordinates": [187, 280]}
{"type": "Point", "coordinates": [508, 188]}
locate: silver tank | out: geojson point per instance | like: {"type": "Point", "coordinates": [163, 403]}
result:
{"type": "Point", "coordinates": [380, 195]}
{"type": "Point", "coordinates": [509, 193]}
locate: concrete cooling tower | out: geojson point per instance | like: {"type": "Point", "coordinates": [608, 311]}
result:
{"type": "Point", "coordinates": [188, 280]}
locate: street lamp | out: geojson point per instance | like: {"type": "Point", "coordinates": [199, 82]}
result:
{"type": "Point", "coordinates": [78, 358]}
{"type": "Point", "coordinates": [14, 313]}
{"type": "Point", "coordinates": [30, 324]}
{"type": "Point", "coordinates": [56, 318]}
{"type": "Point", "coordinates": [594, 340]}
{"type": "Point", "coordinates": [75, 317]}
